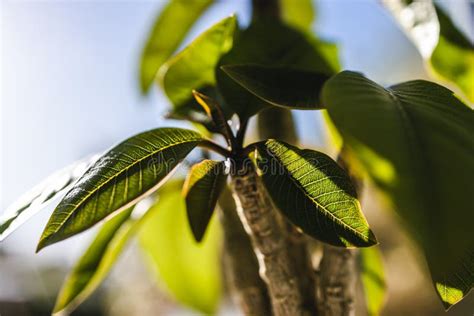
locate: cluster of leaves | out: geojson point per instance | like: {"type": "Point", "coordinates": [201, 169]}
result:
{"type": "Point", "coordinates": [404, 137]}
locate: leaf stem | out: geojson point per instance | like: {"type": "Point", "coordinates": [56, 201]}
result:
{"type": "Point", "coordinates": [215, 147]}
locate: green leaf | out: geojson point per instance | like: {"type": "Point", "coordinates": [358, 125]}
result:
{"type": "Point", "coordinates": [299, 14]}
{"type": "Point", "coordinates": [280, 86]}
{"type": "Point", "coordinates": [193, 68]}
{"type": "Point", "coordinates": [96, 263]}
{"type": "Point", "coordinates": [190, 272]}
{"type": "Point", "coordinates": [453, 57]}
{"type": "Point", "coordinates": [168, 31]}
{"type": "Point", "coordinates": [270, 43]}
{"type": "Point", "coordinates": [415, 141]}
{"type": "Point", "coordinates": [315, 193]}
{"type": "Point", "coordinates": [215, 115]}
{"type": "Point", "coordinates": [373, 279]}
{"type": "Point", "coordinates": [33, 201]}
{"type": "Point", "coordinates": [119, 179]}
{"type": "Point", "coordinates": [202, 188]}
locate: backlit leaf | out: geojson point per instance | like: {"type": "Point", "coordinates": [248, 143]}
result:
{"type": "Point", "coordinates": [415, 140]}
{"type": "Point", "coordinates": [314, 193]}
{"type": "Point", "coordinates": [201, 190]}
{"type": "Point", "coordinates": [193, 68]}
{"type": "Point", "coordinates": [119, 179]}
{"type": "Point", "coordinates": [188, 271]}
{"type": "Point", "coordinates": [169, 29]}
{"type": "Point", "coordinates": [41, 195]}
{"type": "Point", "coordinates": [453, 57]}
{"type": "Point", "coordinates": [373, 279]}
{"type": "Point", "coordinates": [95, 264]}
{"type": "Point", "coordinates": [298, 13]}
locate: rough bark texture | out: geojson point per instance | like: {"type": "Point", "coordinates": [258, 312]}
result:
{"type": "Point", "coordinates": [269, 240]}
{"type": "Point", "coordinates": [248, 290]}
{"type": "Point", "coordinates": [337, 282]}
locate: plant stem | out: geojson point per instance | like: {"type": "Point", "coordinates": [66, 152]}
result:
{"type": "Point", "coordinates": [215, 147]}
{"type": "Point", "coordinates": [241, 133]}
{"type": "Point", "coordinates": [240, 263]}
{"type": "Point", "coordinates": [262, 224]}
{"type": "Point", "coordinates": [337, 282]}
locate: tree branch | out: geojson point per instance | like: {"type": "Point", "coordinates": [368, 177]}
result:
{"type": "Point", "coordinates": [240, 263]}
{"type": "Point", "coordinates": [268, 237]}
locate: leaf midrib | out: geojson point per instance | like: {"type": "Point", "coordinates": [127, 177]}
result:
{"type": "Point", "coordinates": [326, 212]}
{"type": "Point", "coordinates": [115, 177]}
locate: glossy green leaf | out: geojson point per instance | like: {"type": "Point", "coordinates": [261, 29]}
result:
{"type": "Point", "coordinates": [96, 263]}
{"type": "Point", "coordinates": [314, 193]}
{"type": "Point", "coordinates": [270, 43]}
{"type": "Point", "coordinates": [193, 68]}
{"type": "Point", "coordinates": [373, 279]}
{"type": "Point", "coordinates": [280, 86]}
{"type": "Point", "coordinates": [188, 271]}
{"type": "Point", "coordinates": [169, 29]}
{"type": "Point", "coordinates": [415, 140]}
{"type": "Point", "coordinates": [41, 195]}
{"type": "Point", "coordinates": [121, 177]}
{"type": "Point", "coordinates": [299, 14]}
{"type": "Point", "coordinates": [201, 190]}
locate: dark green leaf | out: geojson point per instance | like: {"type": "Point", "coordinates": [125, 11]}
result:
{"type": "Point", "coordinates": [168, 31]}
{"type": "Point", "coordinates": [416, 142]}
{"type": "Point", "coordinates": [96, 263]}
{"type": "Point", "coordinates": [271, 43]}
{"type": "Point", "coordinates": [373, 279]}
{"type": "Point", "coordinates": [193, 68]}
{"type": "Point", "coordinates": [315, 193]}
{"type": "Point", "coordinates": [280, 86]}
{"type": "Point", "coordinates": [41, 195]}
{"type": "Point", "coordinates": [299, 14]}
{"type": "Point", "coordinates": [120, 178]}
{"type": "Point", "coordinates": [189, 271]}
{"type": "Point", "coordinates": [202, 188]}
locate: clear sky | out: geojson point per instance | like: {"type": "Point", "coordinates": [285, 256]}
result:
{"type": "Point", "coordinates": [69, 83]}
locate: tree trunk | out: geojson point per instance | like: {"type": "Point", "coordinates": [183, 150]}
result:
{"type": "Point", "coordinates": [248, 290]}
{"type": "Point", "coordinates": [278, 123]}
{"type": "Point", "coordinates": [269, 240]}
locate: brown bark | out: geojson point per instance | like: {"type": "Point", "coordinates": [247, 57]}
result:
{"type": "Point", "coordinates": [269, 240]}
{"type": "Point", "coordinates": [337, 282]}
{"type": "Point", "coordinates": [248, 290]}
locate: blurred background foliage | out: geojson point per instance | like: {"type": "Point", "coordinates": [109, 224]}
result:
{"type": "Point", "coordinates": [100, 44]}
